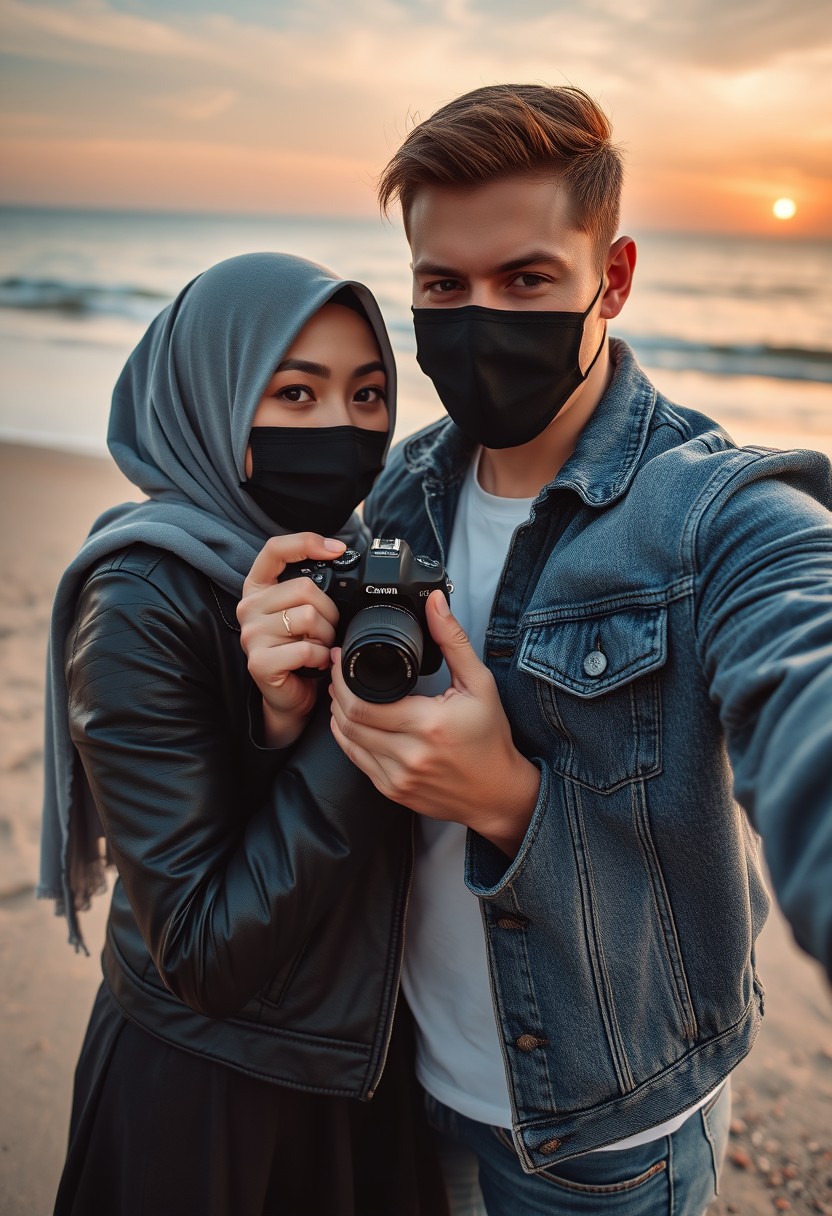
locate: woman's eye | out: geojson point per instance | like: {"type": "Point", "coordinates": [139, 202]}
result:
{"type": "Point", "coordinates": [370, 396]}
{"type": "Point", "coordinates": [298, 394]}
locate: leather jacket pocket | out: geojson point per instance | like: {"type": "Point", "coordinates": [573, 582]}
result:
{"type": "Point", "coordinates": [597, 684]}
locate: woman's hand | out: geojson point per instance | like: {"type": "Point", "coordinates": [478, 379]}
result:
{"type": "Point", "coordinates": [285, 626]}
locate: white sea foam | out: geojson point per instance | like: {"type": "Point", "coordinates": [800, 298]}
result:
{"type": "Point", "coordinates": [739, 328]}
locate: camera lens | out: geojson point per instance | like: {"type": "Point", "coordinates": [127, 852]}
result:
{"type": "Point", "coordinates": [382, 653]}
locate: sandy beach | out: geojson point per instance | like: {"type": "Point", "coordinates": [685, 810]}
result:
{"type": "Point", "coordinates": [781, 1146]}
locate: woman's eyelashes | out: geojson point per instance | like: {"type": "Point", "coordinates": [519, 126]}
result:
{"type": "Point", "coordinates": [369, 397]}
{"type": "Point", "coordinates": [296, 394]}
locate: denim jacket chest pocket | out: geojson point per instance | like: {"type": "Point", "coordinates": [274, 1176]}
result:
{"type": "Point", "coordinates": [597, 684]}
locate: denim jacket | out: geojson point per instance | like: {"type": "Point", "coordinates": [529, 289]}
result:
{"type": "Point", "coordinates": [661, 638]}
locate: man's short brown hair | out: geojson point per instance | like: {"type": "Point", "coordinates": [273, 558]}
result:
{"type": "Point", "coordinates": [505, 129]}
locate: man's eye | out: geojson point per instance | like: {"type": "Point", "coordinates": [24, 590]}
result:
{"type": "Point", "coordinates": [296, 393]}
{"type": "Point", "coordinates": [529, 279]}
{"type": "Point", "coordinates": [443, 286]}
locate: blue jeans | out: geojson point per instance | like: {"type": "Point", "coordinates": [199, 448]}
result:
{"type": "Point", "coordinates": [674, 1176]}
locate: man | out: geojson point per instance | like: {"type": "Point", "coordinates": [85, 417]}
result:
{"type": "Point", "coordinates": [653, 607]}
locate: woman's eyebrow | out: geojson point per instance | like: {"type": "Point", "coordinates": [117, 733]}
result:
{"type": "Point", "coordinates": [367, 368]}
{"type": "Point", "coordinates": [302, 365]}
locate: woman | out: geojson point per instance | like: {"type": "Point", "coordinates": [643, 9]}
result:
{"type": "Point", "coordinates": [256, 920]}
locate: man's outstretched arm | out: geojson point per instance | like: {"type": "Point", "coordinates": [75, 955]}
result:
{"type": "Point", "coordinates": [763, 560]}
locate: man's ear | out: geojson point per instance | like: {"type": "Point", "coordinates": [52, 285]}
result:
{"type": "Point", "coordinates": [618, 270]}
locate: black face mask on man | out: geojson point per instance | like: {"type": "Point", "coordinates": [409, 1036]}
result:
{"type": "Point", "coordinates": [312, 478]}
{"type": "Point", "coordinates": [502, 375]}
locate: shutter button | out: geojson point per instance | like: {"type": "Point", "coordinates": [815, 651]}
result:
{"type": "Point", "coordinates": [348, 559]}
{"type": "Point", "coordinates": [595, 663]}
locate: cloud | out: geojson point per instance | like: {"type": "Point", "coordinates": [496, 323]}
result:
{"type": "Point", "coordinates": [702, 87]}
{"type": "Point", "coordinates": [48, 31]}
{"type": "Point", "coordinates": [369, 42]}
{"type": "Point", "coordinates": [711, 34]}
{"type": "Point", "coordinates": [196, 105]}
{"type": "Point", "coordinates": [744, 33]}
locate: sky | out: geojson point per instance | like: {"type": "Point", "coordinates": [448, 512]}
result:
{"type": "Point", "coordinates": [294, 106]}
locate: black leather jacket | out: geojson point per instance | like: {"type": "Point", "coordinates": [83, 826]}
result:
{"type": "Point", "coordinates": [258, 913]}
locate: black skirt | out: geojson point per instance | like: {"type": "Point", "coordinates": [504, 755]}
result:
{"type": "Point", "coordinates": [157, 1131]}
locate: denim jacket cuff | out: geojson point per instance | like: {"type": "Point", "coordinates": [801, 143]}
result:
{"type": "Point", "coordinates": [488, 872]}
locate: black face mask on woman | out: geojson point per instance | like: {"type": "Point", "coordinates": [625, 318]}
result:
{"type": "Point", "coordinates": [502, 375]}
{"type": "Point", "coordinates": [311, 479]}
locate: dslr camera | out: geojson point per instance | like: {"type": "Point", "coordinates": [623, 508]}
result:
{"type": "Point", "coordinates": [381, 595]}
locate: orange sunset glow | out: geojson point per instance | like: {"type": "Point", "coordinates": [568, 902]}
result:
{"type": "Point", "coordinates": [269, 107]}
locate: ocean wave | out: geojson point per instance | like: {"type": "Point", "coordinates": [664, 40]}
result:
{"type": "Point", "coordinates": [61, 297]}
{"type": "Point", "coordinates": [739, 359]}
{"type": "Point", "coordinates": [760, 293]}
{"type": "Point", "coordinates": [79, 299]}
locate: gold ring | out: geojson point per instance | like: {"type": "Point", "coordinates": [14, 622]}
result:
{"type": "Point", "coordinates": [286, 623]}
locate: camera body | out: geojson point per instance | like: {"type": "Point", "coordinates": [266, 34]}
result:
{"type": "Point", "coordinates": [381, 595]}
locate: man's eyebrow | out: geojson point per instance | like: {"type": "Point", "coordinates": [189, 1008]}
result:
{"type": "Point", "coordinates": [367, 369]}
{"type": "Point", "coordinates": [535, 257]}
{"type": "Point", "coordinates": [302, 365]}
{"type": "Point", "coordinates": [445, 272]}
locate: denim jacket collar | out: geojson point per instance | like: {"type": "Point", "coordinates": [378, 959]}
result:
{"type": "Point", "coordinates": [605, 458]}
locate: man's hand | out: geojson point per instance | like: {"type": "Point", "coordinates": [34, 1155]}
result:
{"type": "Point", "coordinates": [284, 626]}
{"type": "Point", "coordinates": [447, 757]}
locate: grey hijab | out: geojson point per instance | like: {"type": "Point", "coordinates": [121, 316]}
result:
{"type": "Point", "coordinates": [179, 425]}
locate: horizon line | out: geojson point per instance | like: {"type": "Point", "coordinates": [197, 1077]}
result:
{"type": "Point", "coordinates": [366, 219]}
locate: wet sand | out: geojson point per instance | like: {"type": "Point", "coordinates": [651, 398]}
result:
{"type": "Point", "coordinates": [781, 1148]}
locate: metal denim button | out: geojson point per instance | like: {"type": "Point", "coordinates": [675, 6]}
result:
{"type": "Point", "coordinates": [549, 1146]}
{"type": "Point", "coordinates": [595, 663]}
{"type": "Point", "coordinates": [528, 1042]}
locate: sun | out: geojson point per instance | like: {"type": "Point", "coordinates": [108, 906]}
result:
{"type": "Point", "coordinates": [784, 208]}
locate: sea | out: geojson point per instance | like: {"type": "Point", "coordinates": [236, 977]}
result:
{"type": "Point", "coordinates": [739, 328]}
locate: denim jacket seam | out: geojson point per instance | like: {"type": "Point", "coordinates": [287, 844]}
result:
{"type": "Point", "coordinates": [515, 866]}
{"type": "Point", "coordinates": [530, 996]}
{"type": "Point", "coordinates": [606, 1000]}
{"type": "Point", "coordinates": [657, 597]}
{"type": "Point", "coordinates": [637, 1095]}
{"type": "Point", "coordinates": [709, 498]}
{"type": "Point", "coordinates": [666, 920]}
{"type": "Point", "coordinates": [665, 416]}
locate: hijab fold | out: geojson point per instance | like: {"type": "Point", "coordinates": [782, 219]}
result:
{"type": "Point", "coordinates": [181, 414]}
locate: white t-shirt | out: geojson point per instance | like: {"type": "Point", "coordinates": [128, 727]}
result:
{"type": "Point", "coordinates": [445, 976]}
